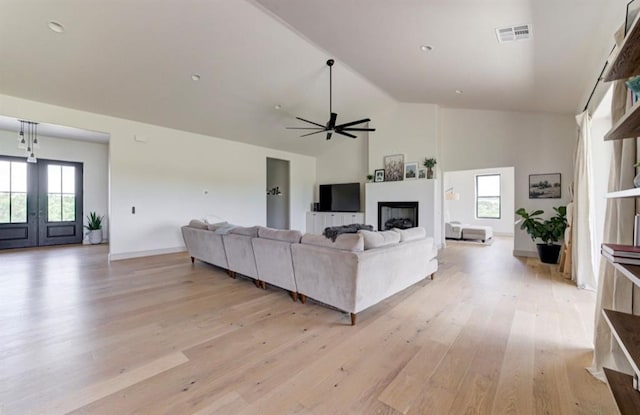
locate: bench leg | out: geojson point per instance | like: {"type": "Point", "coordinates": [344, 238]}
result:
{"type": "Point", "coordinates": [294, 295]}
{"type": "Point", "coordinates": [303, 298]}
{"type": "Point", "coordinates": [193, 260]}
{"type": "Point", "coordinates": [353, 319]}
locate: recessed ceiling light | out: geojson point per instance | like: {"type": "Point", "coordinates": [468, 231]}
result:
{"type": "Point", "coordinates": [195, 77]}
{"type": "Point", "coordinates": [426, 48]}
{"type": "Point", "coordinates": [277, 106]}
{"type": "Point", "coordinates": [459, 91]}
{"type": "Point", "coordinates": [56, 27]}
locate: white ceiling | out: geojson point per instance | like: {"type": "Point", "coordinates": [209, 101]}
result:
{"type": "Point", "coordinates": [134, 60]}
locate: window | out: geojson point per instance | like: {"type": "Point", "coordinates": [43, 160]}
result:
{"type": "Point", "coordinates": [61, 192]}
{"type": "Point", "coordinates": [488, 196]}
{"type": "Point", "coordinates": [13, 192]}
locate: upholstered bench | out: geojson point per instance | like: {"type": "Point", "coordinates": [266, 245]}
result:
{"type": "Point", "coordinates": [477, 232]}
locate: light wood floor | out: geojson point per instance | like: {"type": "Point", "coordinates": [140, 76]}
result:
{"type": "Point", "coordinates": [490, 335]}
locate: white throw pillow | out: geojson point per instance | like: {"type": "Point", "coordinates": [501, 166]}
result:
{"type": "Point", "coordinates": [411, 234]}
{"type": "Point", "coordinates": [379, 239]}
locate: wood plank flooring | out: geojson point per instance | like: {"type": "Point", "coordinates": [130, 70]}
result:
{"type": "Point", "coordinates": [492, 334]}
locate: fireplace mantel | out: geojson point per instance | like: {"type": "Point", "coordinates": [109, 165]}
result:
{"type": "Point", "coordinates": [425, 192]}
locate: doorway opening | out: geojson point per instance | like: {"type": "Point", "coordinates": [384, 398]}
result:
{"type": "Point", "coordinates": [40, 203]}
{"type": "Point", "coordinates": [278, 194]}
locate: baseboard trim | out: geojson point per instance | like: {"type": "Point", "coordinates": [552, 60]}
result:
{"type": "Point", "coordinates": [528, 254]}
{"type": "Point", "coordinates": [139, 254]}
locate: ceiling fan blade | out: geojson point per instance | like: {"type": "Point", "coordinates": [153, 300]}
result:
{"type": "Point", "coordinates": [355, 129]}
{"type": "Point", "coordinates": [347, 124]}
{"type": "Point", "coordinates": [315, 132]}
{"type": "Point", "coordinates": [305, 128]}
{"type": "Point", "coordinates": [343, 133]}
{"type": "Point", "coordinates": [310, 122]}
{"type": "Point", "coordinates": [332, 121]}
{"type": "Point", "coordinates": [329, 135]}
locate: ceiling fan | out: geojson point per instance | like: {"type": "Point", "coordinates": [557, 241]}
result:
{"type": "Point", "coordinates": [330, 127]}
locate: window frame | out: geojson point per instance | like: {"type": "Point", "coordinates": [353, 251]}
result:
{"type": "Point", "coordinates": [499, 197]}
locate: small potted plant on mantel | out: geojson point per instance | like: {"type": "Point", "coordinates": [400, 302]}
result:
{"type": "Point", "coordinates": [369, 178]}
{"type": "Point", "coordinates": [94, 228]}
{"type": "Point", "coordinates": [429, 163]}
{"type": "Point", "coordinates": [548, 231]}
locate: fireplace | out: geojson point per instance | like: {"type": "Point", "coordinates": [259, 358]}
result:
{"type": "Point", "coordinates": [400, 215]}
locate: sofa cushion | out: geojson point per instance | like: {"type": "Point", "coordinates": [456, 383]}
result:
{"type": "Point", "coordinates": [379, 239]}
{"type": "Point", "coordinates": [279, 235]}
{"type": "Point", "coordinates": [345, 242]}
{"type": "Point", "coordinates": [198, 224]}
{"type": "Point", "coordinates": [411, 234]}
{"type": "Point", "coordinates": [251, 231]}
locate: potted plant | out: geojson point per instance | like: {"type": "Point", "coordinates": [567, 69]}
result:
{"type": "Point", "coordinates": [548, 231]}
{"type": "Point", "coordinates": [369, 178]}
{"type": "Point", "coordinates": [429, 164]}
{"type": "Point", "coordinates": [94, 226]}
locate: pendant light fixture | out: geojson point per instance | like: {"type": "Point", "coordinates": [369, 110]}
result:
{"type": "Point", "coordinates": [28, 139]}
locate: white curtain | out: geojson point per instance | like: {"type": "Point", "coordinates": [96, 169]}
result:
{"type": "Point", "coordinates": [583, 240]}
{"type": "Point", "coordinates": [614, 290]}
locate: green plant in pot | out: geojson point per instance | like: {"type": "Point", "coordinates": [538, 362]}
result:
{"type": "Point", "coordinates": [548, 231]}
{"type": "Point", "coordinates": [94, 228]}
{"type": "Point", "coordinates": [369, 177]}
{"type": "Point", "coordinates": [429, 163]}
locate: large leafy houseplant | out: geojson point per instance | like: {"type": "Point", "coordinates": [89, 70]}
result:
{"type": "Point", "coordinates": [549, 231]}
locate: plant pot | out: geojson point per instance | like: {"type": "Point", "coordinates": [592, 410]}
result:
{"type": "Point", "coordinates": [95, 236]}
{"type": "Point", "coordinates": [549, 253]}
{"type": "Point", "coordinates": [429, 173]}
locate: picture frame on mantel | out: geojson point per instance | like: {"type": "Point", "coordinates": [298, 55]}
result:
{"type": "Point", "coordinates": [422, 173]}
{"type": "Point", "coordinates": [394, 168]}
{"type": "Point", "coordinates": [411, 170]}
{"type": "Point", "coordinates": [545, 186]}
{"type": "Point", "coordinates": [378, 176]}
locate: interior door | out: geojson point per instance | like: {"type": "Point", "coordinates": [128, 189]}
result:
{"type": "Point", "coordinates": [59, 202]}
{"type": "Point", "coordinates": [18, 203]}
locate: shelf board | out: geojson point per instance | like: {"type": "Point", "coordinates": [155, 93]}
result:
{"type": "Point", "coordinates": [626, 329]}
{"type": "Point", "coordinates": [627, 62]}
{"type": "Point", "coordinates": [624, 193]}
{"type": "Point", "coordinates": [632, 272]}
{"type": "Point", "coordinates": [628, 126]}
{"type": "Point", "coordinates": [621, 387]}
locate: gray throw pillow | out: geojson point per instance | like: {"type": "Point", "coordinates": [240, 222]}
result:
{"type": "Point", "coordinates": [379, 239]}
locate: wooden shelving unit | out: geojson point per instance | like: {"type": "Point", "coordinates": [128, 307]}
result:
{"type": "Point", "coordinates": [621, 387]}
{"type": "Point", "coordinates": [627, 126]}
{"type": "Point", "coordinates": [627, 62]}
{"type": "Point", "coordinates": [624, 193]}
{"type": "Point", "coordinates": [632, 272]}
{"type": "Point", "coordinates": [626, 327]}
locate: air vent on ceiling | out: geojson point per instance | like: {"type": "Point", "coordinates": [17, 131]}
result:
{"type": "Point", "coordinates": [511, 33]}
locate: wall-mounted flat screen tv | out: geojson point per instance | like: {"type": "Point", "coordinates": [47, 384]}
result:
{"type": "Point", "coordinates": [343, 197]}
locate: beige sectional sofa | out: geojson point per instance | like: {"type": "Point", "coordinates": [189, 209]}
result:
{"type": "Point", "coordinates": [352, 273]}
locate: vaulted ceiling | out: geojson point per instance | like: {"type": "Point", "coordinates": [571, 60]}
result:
{"type": "Point", "coordinates": [135, 60]}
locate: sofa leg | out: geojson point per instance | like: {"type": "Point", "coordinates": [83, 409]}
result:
{"type": "Point", "coordinates": [257, 283]}
{"type": "Point", "coordinates": [232, 274]}
{"type": "Point", "coordinates": [353, 319]}
{"type": "Point", "coordinates": [294, 295]}
{"type": "Point", "coordinates": [193, 260]}
{"type": "Point", "coordinates": [303, 298]}
{"type": "Point", "coordinates": [263, 285]}
{"type": "Point", "coordinates": [433, 276]}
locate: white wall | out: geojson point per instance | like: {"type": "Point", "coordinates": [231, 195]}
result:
{"type": "Point", "coordinates": [464, 209]}
{"type": "Point", "coordinates": [166, 178]}
{"type": "Point", "coordinates": [94, 157]}
{"type": "Point", "coordinates": [532, 143]}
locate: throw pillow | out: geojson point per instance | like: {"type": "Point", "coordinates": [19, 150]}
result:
{"type": "Point", "coordinates": [411, 234]}
{"type": "Point", "coordinates": [345, 242]}
{"type": "Point", "coordinates": [198, 224]}
{"type": "Point", "coordinates": [379, 239]}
